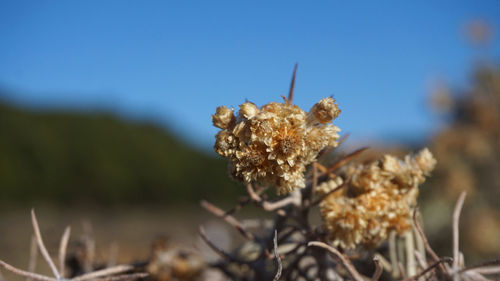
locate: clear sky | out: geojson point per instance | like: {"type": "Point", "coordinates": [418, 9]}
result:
{"type": "Point", "coordinates": [174, 62]}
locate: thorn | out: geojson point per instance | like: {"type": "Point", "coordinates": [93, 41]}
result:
{"type": "Point", "coordinates": [292, 85]}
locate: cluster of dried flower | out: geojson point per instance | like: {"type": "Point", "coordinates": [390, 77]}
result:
{"type": "Point", "coordinates": [360, 204]}
{"type": "Point", "coordinates": [378, 199]}
{"type": "Point", "coordinates": [272, 145]}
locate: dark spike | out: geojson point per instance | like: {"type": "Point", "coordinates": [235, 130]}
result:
{"type": "Point", "coordinates": [292, 85]}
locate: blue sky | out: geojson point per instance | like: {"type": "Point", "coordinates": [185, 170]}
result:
{"type": "Point", "coordinates": [174, 62]}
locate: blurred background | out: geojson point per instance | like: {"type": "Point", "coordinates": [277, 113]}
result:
{"type": "Point", "coordinates": [105, 105]}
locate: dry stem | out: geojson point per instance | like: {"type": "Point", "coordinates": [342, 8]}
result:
{"type": "Point", "coordinates": [62, 249]}
{"type": "Point", "coordinates": [33, 256]}
{"type": "Point", "coordinates": [41, 246]}
{"type": "Point", "coordinates": [212, 246]}
{"type": "Point", "coordinates": [345, 262]}
{"type": "Point", "coordinates": [104, 272]}
{"type": "Point", "coordinates": [456, 218]}
{"type": "Point", "coordinates": [228, 218]}
{"type": "Point", "coordinates": [277, 256]}
{"type": "Point", "coordinates": [26, 274]}
{"type": "Point", "coordinates": [378, 269]}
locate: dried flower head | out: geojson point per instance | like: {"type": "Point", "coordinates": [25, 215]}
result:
{"type": "Point", "coordinates": [248, 110]}
{"type": "Point", "coordinates": [223, 117]}
{"type": "Point", "coordinates": [379, 199]}
{"type": "Point", "coordinates": [324, 111]}
{"type": "Point", "coordinates": [272, 145]}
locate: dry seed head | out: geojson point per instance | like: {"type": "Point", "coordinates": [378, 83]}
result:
{"type": "Point", "coordinates": [223, 117]}
{"type": "Point", "coordinates": [272, 145]}
{"type": "Point", "coordinates": [379, 199]}
{"type": "Point", "coordinates": [425, 161]}
{"type": "Point", "coordinates": [248, 110]}
{"type": "Point", "coordinates": [324, 111]}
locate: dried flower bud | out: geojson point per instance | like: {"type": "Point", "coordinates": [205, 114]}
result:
{"type": "Point", "coordinates": [324, 111]}
{"type": "Point", "coordinates": [248, 110]}
{"type": "Point", "coordinates": [223, 117]}
{"type": "Point", "coordinates": [390, 163]}
{"type": "Point", "coordinates": [425, 160]}
{"type": "Point", "coordinates": [225, 143]}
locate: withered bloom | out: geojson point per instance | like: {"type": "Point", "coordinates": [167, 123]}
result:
{"type": "Point", "coordinates": [379, 198]}
{"type": "Point", "coordinates": [272, 145]}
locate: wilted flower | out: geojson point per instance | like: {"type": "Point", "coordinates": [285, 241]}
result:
{"type": "Point", "coordinates": [379, 199]}
{"type": "Point", "coordinates": [273, 144]}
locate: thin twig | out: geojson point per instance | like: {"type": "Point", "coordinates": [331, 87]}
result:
{"type": "Point", "coordinates": [123, 277]}
{"type": "Point", "coordinates": [323, 197]}
{"type": "Point", "coordinates": [488, 270]}
{"type": "Point", "coordinates": [345, 262]}
{"type": "Point", "coordinates": [494, 262]}
{"type": "Point", "coordinates": [456, 218]}
{"type": "Point", "coordinates": [212, 246]}
{"type": "Point", "coordinates": [325, 152]}
{"type": "Point", "coordinates": [244, 201]}
{"type": "Point", "coordinates": [63, 246]}
{"type": "Point", "coordinates": [292, 85]}
{"type": "Point", "coordinates": [104, 272]}
{"type": "Point", "coordinates": [26, 273]}
{"type": "Point", "coordinates": [344, 161]}
{"type": "Point", "coordinates": [253, 195]}
{"type": "Point", "coordinates": [41, 245]}
{"type": "Point", "coordinates": [277, 256]}
{"type": "Point", "coordinates": [33, 256]}
{"type": "Point", "coordinates": [228, 218]}
{"type": "Point", "coordinates": [294, 198]}
{"type": "Point", "coordinates": [474, 276]}
{"type": "Point", "coordinates": [386, 265]}
{"type": "Point", "coordinates": [271, 206]}
{"type": "Point", "coordinates": [378, 270]}
{"type": "Point", "coordinates": [428, 247]}
{"type": "Point", "coordinates": [420, 250]}
{"type": "Point", "coordinates": [429, 268]}
{"type": "Point", "coordinates": [342, 139]}
{"type": "Point", "coordinates": [420, 259]}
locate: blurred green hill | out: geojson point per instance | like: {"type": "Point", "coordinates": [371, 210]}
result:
{"type": "Point", "coordinates": [66, 158]}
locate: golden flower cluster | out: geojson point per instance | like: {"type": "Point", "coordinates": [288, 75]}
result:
{"type": "Point", "coordinates": [379, 199]}
{"type": "Point", "coordinates": [273, 144]}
